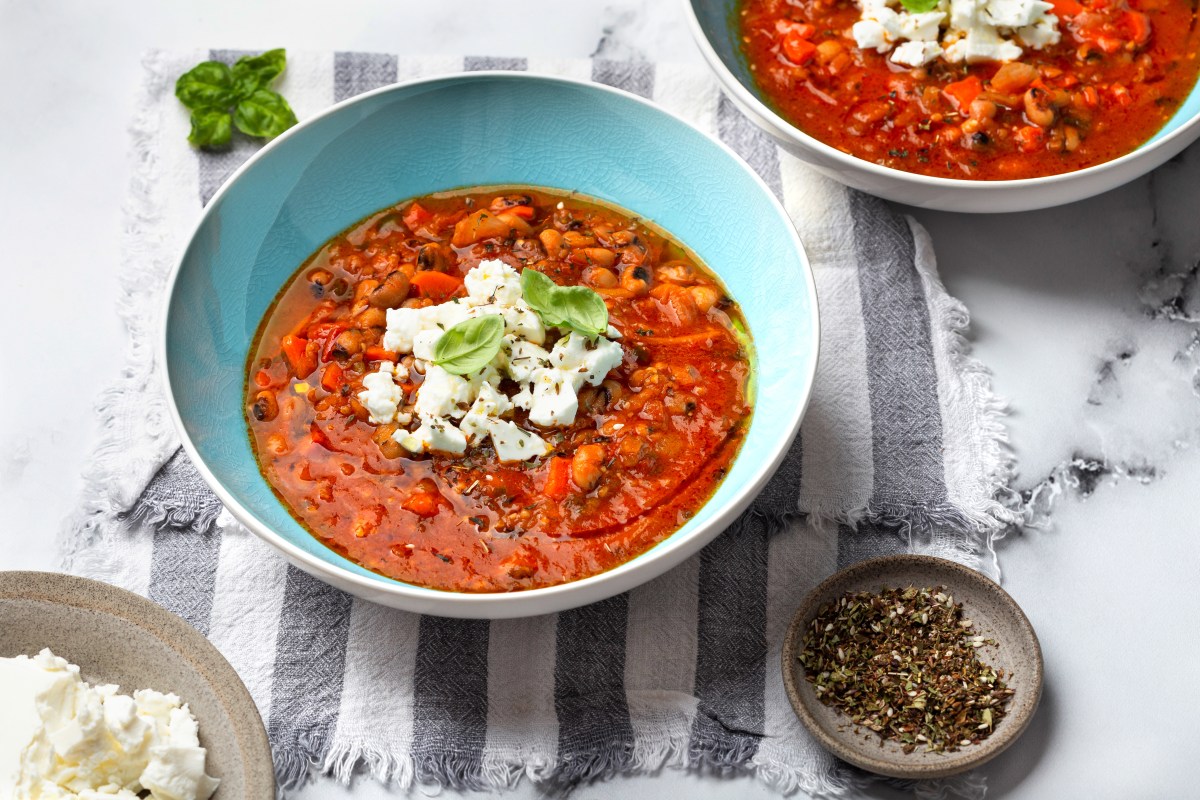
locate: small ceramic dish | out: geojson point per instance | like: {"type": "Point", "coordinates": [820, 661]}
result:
{"type": "Point", "coordinates": [118, 637]}
{"type": "Point", "coordinates": [714, 27]}
{"type": "Point", "coordinates": [479, 129]}
{"type": "Point", "coordinates": [995, 614]}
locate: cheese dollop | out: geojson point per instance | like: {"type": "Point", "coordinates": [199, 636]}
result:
{"type": "Point", "coordinates": [549, 380]}
{"type": "Point", "coordinates": [64, 738]}
{"type": "Point", "coordinates": [956, 30]}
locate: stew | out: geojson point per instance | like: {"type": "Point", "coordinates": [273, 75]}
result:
{"type": "Point", "coordinates": [426, 403]}
{"type": "Point", "coordinates": [943, 88]}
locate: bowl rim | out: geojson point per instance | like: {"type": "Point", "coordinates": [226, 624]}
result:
{"type": "Point", "coordinates": [184, 641]}
{"type": "Point", "coordinates": [731, 83]}
{"type": "Point", "coordinates": [668, 553]}
{"type": "Point", "coordinates": [950, 763]}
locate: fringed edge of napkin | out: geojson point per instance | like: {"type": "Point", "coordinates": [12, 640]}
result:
{"type": "Point", "coordinates": [146, 249]}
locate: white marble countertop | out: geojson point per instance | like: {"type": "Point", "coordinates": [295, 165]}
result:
{"type": "Point", "coordinates": [1087, 315]}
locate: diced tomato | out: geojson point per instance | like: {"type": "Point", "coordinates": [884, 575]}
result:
{"type": "Point", "coordinates": [416, 217]}
{"type": "Point", "coordinates": [1136, 26]}
{"type": "Point", "coordinates": [798, 49]}
{"type": "Point", "coordinates": [325, 334]}
{"type": "Point", "coordinates": [524, 212]}
{"type": "Point", "coordinates": [1066, 8]}
{"type": "Point", "coordinates": [319, 437]}
{"type": "Point", "coordinates": [262, 379]}
{"type": "Point", "coordinates": [438, 286]}
{"type": "Point", "coordinates": [786, 26]}
{"type": "Point", "coordinates": [377, 353]}
{"type": "Point", "coordinates": [332, 378]}
{"type": "Point", "coordinates": [422, 502]}
{"type": "Point", "coordinates": [963, 93]}
{"type": "Point", "coordinates": [300, 355]}
{"type": "Point", "coordinates": [1030, 138]}
{"type": "Point", "coordinates": [558, 479]}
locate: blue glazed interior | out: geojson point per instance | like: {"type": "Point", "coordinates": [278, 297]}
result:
{"type": "Point", "coordinates": [462, 131]}
{"type": "Point", "coordinates": [717, 20]}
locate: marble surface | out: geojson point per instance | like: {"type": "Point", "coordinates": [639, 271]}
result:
{"type": "Point", "coordinates": [1089, 316]}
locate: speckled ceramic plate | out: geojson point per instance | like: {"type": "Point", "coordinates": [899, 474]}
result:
{"type": "Point", "coordinates": [118, 637]}
{"type": "Point", "coordinates": [996, 615]}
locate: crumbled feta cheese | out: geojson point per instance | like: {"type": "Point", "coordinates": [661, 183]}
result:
{"type": "Point", "coordinates": [916, 54]}
{"type": "Point", "coordinates": [870, 35]}
{"type": "Point", "coordinates": [956, 30]}
{"type": "Point", "coordinates": [443, 394]}
{"type": "Point", "coordinates": [493, 281]}
{"type": "Point", "coordinates": [382, 396]}
{"type": "Point", "coordinates": [436, 434]}
{"type": "Point", "coordinates": [63, 737]}
{"type": "Point", "coordinates": [549, 380]}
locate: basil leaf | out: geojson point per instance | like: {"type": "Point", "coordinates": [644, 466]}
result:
{"type": "Point", "coordinates": [470, 345]}
{"type": "Point", "coordinates": [574, 307]}
{"type": "Point", "coordinates": [206, 85]}
{"type": "Point", "coordinates": [257, 72]}
{"type": "Point", "coordinates": [919, 6]}
{"type": "Point", "coordinates": [211, 129]}
{"type": "Point", "coordinates": [264, 113]}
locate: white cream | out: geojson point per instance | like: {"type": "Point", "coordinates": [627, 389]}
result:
{"type": "Point", "coordinates": [63, 738]}
{"type": "Point", "coordinates": [550, 380]}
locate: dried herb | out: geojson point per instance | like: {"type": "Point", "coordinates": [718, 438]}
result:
{"type": "Point", "coordinates": [904, 664]}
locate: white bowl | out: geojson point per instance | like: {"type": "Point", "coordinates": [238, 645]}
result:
{"type": "Point", "coordinates": [713, 28]}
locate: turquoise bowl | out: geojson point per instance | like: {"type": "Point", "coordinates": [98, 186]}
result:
{"type": "Point", "coordinates": [714, 27]}
{"type": "Point", "coordinates": [478, 129]}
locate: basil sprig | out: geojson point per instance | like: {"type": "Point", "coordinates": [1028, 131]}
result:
{"type": "Point", "coordinates": [574, 307]}
{"type": "Point", "coordinates": [221, 97]}
{"type": "Point", "coordinates": [919, 6]}
{"type": "Point", "coordinates": [470, 345]}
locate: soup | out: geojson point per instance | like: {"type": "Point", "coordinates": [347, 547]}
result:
{"type": "Point", "coordinates": [975, 89]}
{"type": "Point", "coordinates": [494, 390]}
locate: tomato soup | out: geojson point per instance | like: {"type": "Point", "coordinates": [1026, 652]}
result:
{"type": "Point", "coordinates": [495, 390]}
{"type": "Point", "coordinates": [1091, 80]}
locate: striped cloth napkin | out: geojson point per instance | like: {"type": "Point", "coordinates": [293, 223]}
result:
{"type": "Point", "coordinates": [902, 449]}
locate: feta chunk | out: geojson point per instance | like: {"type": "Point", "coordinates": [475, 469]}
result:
{"type": "Point", "coordinates": [916, 54]}
{"type": "Point", "coordinates": [512, 443]}
{"type": "Point", "coordinates": [381, 396]}
{"type": "Point", "coordinates": [870, 35]}
{"type": "Point", "coordinates": [1042, 33]}
{"type": "Point", "coordinates": [922, 27]}
{"type": "Point", "coordinates": [1015, 13]}
{"type": "Point", "coordinates": [493, 281]}
{"type": "Point", "coordinates": [443, 394]}
{"type": "Point", "coordinates": [435, 434]}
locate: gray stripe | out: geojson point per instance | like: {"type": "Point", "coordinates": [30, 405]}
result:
{"type": "Point", "coordinates": [355, 73]}
{"type": "Point", "coordinates": [183, 573]}
{"type": "Point", "coordinates": [310, 665]}
{"type": "Point", "coordinates": [732, 648]}
{"type": "Point", "coordinates": [595, 735]}
{"type": "Point", "coordinates": [216, 167]}
{"type": "Point", "coordinates": [749, 142]}
{"type": "Point", "coordinates": [868, 541]}
{"type": "Point", "coordinates": [480, 63]}
{"type": "Point", "coordinates": [632, 76]}
{"type": "Point", "coordinates": [906, 418]}
{"type": "Point", "coordinates": [183, 566]}
{"type": "Point", "coordinates": [732, 613]}
{"type": "Point", "coordinates": [176, 497]}
{"type": "Point", "coordinates": [450, 701]}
